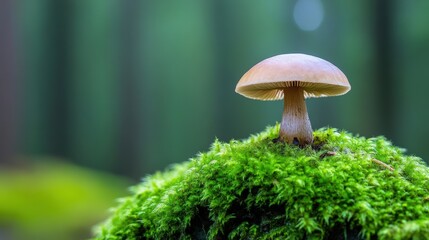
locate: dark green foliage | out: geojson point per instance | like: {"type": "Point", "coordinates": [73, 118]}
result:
{"type": "Point", "coordinates": [343, 187]}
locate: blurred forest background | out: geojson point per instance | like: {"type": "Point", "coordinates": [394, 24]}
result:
{"type": "Point", "coordinates": [125, 88]}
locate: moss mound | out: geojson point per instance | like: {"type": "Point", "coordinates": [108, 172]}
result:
{"type": "Point", "coordinates": [343, 187]}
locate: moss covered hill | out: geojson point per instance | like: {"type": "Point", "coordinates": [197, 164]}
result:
{"type": "Point", "coordinates": [343, 187]}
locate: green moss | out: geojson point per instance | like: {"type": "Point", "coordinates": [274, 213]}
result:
{"type": "Point", "coordinates": [342, 187]}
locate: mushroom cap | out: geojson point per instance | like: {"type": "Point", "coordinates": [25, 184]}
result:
{"type": "Point", "coordinates": [267, 79]}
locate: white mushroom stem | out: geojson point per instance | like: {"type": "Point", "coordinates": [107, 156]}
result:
{"type": "Point", "coordinates": [296, 126]}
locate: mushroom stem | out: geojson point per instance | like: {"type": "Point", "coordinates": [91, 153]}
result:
{"type": "Point", "coordinates": [295, 127]}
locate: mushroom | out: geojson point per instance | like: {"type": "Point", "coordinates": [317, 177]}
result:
{"type": "Point", "coordinates": [293, 77]}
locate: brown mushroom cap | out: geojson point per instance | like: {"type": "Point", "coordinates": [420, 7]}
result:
{"type": "Point", "coordinates": [267, 79]}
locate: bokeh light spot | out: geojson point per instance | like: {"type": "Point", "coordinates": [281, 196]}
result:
{"type": "Point", "coordinates": [308, 14]}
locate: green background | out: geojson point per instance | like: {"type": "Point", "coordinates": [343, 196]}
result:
{"type": "Point", "coordinates": [132, 86]}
